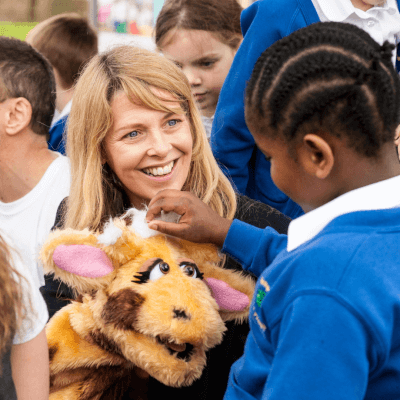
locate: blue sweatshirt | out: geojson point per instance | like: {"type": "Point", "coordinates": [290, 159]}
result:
{"type": "Point", "coordinates": [56, 141]}
{"type": "Point", "coordinates": [325, 317]}
{"type": "Point", "coordinates": [263, 23]}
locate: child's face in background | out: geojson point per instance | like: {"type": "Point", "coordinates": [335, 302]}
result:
{"type": "Point", "coordinates": [204, 60]}
{"type": "Point", "coordinates": [367, 4]}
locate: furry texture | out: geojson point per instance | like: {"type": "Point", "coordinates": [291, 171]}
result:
{"type": "Point", "coordinates": [152, 314]}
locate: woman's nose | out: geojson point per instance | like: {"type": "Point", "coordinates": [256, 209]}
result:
{"type": "Point", "coordinates": [160, 145]}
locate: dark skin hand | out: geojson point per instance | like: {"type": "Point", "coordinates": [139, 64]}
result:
{"type": "Point", "coordinates": [198, 223]}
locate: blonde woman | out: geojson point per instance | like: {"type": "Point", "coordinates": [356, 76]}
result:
{"type": "Point", "coordinates": [134, 130]}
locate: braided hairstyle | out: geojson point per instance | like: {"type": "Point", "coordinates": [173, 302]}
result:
{"type": "Point", "coordinates": [330, 77]}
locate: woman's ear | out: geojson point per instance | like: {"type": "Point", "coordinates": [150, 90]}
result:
{"type": "Point", "coordinates": [316, 156]}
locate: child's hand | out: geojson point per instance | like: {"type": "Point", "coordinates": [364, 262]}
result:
{"type": "Point", "coordinates": [198, 223]}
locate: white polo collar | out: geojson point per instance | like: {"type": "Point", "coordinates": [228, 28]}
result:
{"type": "Point", "coordinates": [65, 111]}
{"type": "Point", "coordinates": [378, 196]}
{"type": "Point", "coordinates": [339, 10]}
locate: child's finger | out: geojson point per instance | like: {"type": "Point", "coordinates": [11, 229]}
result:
{"type": "Point", "coordinates": [163, 205]}
{"type": "Point", "coordinates": [167, 201]}
{"type": "Point", "coordinates": [168, 228]}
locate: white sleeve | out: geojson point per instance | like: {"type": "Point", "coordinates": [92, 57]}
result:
{"type": "Point", "coordinates": [36, 314]}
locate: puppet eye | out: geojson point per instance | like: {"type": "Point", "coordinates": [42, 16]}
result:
{"type": "Point", "coordinates": [158, 271]}
{"type": "Point", "coordinates": [191, 270]}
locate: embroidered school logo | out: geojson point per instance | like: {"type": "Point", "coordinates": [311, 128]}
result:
{"type": "Point", "coordinates": [260, 297]}
{"type": "Point", "coordinates": [261, 293]}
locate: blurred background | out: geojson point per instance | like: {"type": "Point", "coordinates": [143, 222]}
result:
{"type": "Point", "coordinates": [117, 21]}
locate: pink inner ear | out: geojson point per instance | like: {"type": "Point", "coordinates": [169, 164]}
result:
{"type": "Point", "coordinates": [82, 260]}
{"type": "Point", "coordinates": [226, 297]}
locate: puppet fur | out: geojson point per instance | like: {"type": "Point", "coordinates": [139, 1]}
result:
{"type": "Point", "coordinates": [145, 305]}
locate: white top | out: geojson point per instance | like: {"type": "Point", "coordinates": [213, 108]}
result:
{"type": "Point", "coordinates": [28, 220]}
{"type": "Point", "coordinates": [381, 22]}
{"type": "Point", "coordinates": [36, 309]}
{"type": "Point", "coordinates": [207, 122]}
{"type": "Point", "coordinates": [58, 115]}
{"type": "Point", "coordinates": [378, 196]}
{"type": "Point", "coordinates": [33, 303]}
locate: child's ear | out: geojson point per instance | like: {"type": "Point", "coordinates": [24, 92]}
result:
{"type": "Point", "coordinates": [316, 156]}
{"type": "Point", "coordinates": [18, 115]}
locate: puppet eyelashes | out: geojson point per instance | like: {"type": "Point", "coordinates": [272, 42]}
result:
{"type": "Point", "coordinates": [191, 269]}
{"type": "Point", "coordinates": [159, 268]}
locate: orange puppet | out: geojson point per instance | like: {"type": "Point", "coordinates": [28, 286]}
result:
{"type": "Point", "coordinates": [145, 302]}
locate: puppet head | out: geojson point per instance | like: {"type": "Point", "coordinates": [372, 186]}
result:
{"type": "Point", "coordinates": [161, 301]}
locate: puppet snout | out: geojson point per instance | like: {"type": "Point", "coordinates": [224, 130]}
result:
{"type": "Point", "coordinates": [184, 310]}
{"type": "Point", "coordinates": [181, 314]}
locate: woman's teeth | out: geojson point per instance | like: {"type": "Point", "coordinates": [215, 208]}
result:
{"type": "Point", "coordinates": [159, 171]}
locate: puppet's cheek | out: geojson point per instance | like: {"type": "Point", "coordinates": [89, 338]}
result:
{"type": "Point", "coordinates": [226, 297]}
{"type": "Point", "coordinates": [82, 260]}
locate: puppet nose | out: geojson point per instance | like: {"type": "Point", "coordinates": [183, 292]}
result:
{"type": "Point", "coordinates": [179, 313]}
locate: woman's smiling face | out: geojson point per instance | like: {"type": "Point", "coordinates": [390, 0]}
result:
{"type": "Point", "coordinates": [149, 150]}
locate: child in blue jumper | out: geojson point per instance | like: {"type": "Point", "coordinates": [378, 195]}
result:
{"type": "Point", "coordinates": [323, 106]}
{"type": "Point", "coordinates": [263, 23]}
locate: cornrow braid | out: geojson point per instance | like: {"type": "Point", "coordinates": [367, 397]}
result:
{"type": "Point", "coordinates": [328, 76]}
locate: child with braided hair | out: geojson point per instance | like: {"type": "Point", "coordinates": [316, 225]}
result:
{"type": "Point", "coordinates": [323, 106]}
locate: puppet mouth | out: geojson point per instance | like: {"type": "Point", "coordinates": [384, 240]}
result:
{"type": "Point", "coordinates": [182, 351]}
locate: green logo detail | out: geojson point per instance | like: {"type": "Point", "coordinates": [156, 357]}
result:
{"type": "Point", "coordinates": [260, 297]}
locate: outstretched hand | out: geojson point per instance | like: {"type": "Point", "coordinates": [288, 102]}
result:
{"type": "Point", "coordinates": [198, 222]}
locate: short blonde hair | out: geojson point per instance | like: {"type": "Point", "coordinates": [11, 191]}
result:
{"type": "Point", "coordinates": [95, 193]}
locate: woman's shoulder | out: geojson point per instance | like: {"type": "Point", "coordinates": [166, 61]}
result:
{"type": "Point", "coordinates": [260, 214]}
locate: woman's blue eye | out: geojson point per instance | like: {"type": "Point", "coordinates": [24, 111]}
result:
{"type": "Point", "coordinates": [172, 122]}
{"type": "Point", "coordinates": [133, 134]}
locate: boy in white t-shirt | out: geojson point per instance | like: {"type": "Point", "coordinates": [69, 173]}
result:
{"type": "Point", "coordinates": [33, 179]}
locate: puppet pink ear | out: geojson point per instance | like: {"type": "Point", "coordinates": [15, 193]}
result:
{"type": "Point", "coordinates": [227, 298]}
{"type": "Point", "coordinates": [82, 260]}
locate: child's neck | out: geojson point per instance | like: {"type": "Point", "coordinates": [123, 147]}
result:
{"type": "Point", "coordinates": [354, 171]}
{"type": "Point", "coordinates": [364, 171]}
{"type": "Point", "coordinates": [362, 5]}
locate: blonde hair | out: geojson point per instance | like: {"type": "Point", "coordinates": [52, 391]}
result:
{"type": "Point", "coordinates": [96, 193]}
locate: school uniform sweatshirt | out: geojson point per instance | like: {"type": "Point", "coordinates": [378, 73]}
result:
{"type": "Point", "coordinates": [325, 317]}
{"type": "Point", "coordinates": [263, 23]}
